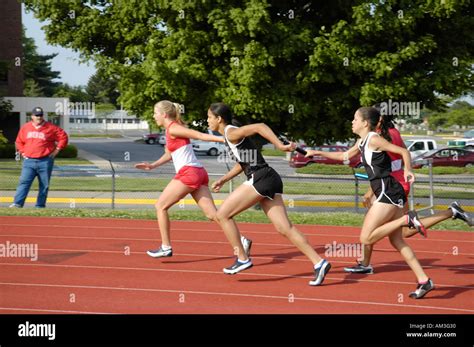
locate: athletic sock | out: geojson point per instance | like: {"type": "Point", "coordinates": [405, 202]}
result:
{"type": "Point", "coordinates": [165, 248]}
{"type": "Point", "coordinates": [243, 261]}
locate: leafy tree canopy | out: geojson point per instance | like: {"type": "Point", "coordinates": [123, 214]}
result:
{"type": "Point", "coordinates": [301, 66]}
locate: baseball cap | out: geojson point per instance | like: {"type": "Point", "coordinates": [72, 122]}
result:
{"type": "Point", "coordinates": [37, 111]}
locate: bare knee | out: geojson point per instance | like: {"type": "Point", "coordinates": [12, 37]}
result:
{"type": "Point", "coordinates": [161, 207]}
{"type": "Point", "coordinates": [221, 217]}
{"type": "Point", "coordinates": [211, 216]}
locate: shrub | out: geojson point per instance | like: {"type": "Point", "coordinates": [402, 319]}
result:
{"type": "Point", "coordinates": [7, 150]}
{"type": "Point", "coordinates": [69, 152]}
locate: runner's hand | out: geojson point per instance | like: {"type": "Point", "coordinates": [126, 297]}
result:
{"type": "Point", "coordinates": [144, 166]}
{"type": "Point", "coordinates": [217, 185]}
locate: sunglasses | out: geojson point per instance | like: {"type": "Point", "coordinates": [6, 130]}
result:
{"type": "Point", "coordinates": [37, 115]}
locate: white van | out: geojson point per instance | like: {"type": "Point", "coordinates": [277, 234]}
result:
{"type": "Point", "coordinates": [418, 147]}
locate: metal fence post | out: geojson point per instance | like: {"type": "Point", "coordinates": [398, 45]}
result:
{"type": "Point", "coordinates": [356, 192]}
{"type": "Point", "coordinates": [113, 184]}
{"type": "Point", "coordinates": [430, 169]}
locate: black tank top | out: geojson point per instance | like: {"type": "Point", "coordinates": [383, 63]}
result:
{"type": "Point", "coordinates": [245, 153]}
{"type": "Point", "coordinates": [377, 164]}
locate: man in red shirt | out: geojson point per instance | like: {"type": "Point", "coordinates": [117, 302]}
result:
{"type": "Point", "coordinates": [38, 142]}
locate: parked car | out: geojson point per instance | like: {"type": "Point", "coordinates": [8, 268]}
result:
{"type": "Point", "coordinates": [445, 157]}
{"type": "Point", "coordinates": [418, 147]}
{"type": "Point", "coordinates": [210, 148]}
{"type": "Point", "coordinates": [469, 148]}
{"type": "Point", "coordinates": [155, 138]}
{"type": "Point", "coordinates": [469, 134]}
{"type": "Point", "coordinates": [299, 160]}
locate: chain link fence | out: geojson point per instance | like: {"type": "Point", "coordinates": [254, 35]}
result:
{"type": "Point", "coordinates": [120, 186]}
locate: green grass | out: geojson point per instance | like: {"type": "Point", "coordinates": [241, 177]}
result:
{"type": "Point", "coordinates": [273, 152]}
{"type": "Point", "coordinates": [323, 218]}
{"type": "Point", "coordinates": [9, 181]}
{"type": "Point", "coordinates": [9, 163]}
{"type": "Point", "coordinates": [447, 170]}
{"type": "Point", "coordinates": [323, 169]}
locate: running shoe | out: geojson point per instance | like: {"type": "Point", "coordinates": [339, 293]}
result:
{"type": "Point", "coordinates": [422, 289]}
{"type": "Point", "coordinates": [459, 213]}
{"type": "Point", "coordinates": [360, 269]}
{"type": "Point", "coordinates": [320, 273]}
{"type": "Point", "coordinates": [238, 266]}
{"type": "Point", "coordinates": [247, 244]}
{"type": "Point", "coordinates": [15, 206]}
{"type": "Point", "coordinates": [414, 222]}
{"type": "Point", "coordinates": [160, 252]}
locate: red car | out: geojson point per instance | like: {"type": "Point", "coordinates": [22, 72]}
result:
{"type": "Point", "coordinates": [445, 157]}
{"type": "Point", "coordinates": [298, 160]}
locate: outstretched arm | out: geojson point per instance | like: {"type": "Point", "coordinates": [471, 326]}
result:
{"type": "Point", "coordinates": [166, 157]}
{"type": "Point", "coordinates": [341, 156]}
{"type": "Point", "coordinates": [181, 131]}
{"type": "Point", "coordinates": [235, 135]}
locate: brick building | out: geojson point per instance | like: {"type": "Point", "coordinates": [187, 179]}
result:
{"type": "Point", "coordinates": [11, 52]}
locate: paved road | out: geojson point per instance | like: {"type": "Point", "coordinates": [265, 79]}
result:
{"type": "Point", "coordinates": [124, 152]}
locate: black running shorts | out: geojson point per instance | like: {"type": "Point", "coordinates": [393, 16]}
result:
{"type": "Point", "coordinates": [389, 191]}
{"type": "Point", "coordinates": [266, 182]}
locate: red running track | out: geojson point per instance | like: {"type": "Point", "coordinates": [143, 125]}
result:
{"type": "Point", "coordinates": [100, 266]}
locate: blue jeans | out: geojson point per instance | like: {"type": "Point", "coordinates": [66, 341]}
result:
{"type": "Point", "coordinates": [31, 168]}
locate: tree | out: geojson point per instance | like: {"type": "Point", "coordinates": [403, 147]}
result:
{"type": "Point", "coordinates": [102, 88]}
{"type": "Point", "coordinates": [303, 67]}
{"type": "Point", "coordinates": [5, 108]}
{"type": "Point", "coordinates": [460, 113]}
{"type": "Point", "coordinates": [74, 93]}
{"type": "Point", "coordinates": [38, 74]}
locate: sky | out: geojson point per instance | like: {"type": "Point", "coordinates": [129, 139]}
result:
{"type": "Point", "coordinates": [67, 61]}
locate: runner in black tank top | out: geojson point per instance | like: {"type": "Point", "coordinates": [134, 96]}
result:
{"type": "Point", "coordinates": [263, 178]}
{"type": "Point", "coordinates": [385, 217]}
{"type": "Point", "coordinates": [379, 166]}
{"type": "Point", "coordinates": [263, 186]}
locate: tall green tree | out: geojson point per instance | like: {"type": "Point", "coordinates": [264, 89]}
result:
{"type": "Point", "coordinates": [38, 75]}
{"type": "Point", "coordinates": [103, 88]}
{"type": "Point", "coordinates": [301, 66]}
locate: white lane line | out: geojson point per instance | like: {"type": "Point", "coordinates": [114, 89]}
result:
{"type": "Point", "coordinates": [445, 267]}
{"type": "Point", "coordinates": [216, 230]}
{"type": "Point", "coordinates": [448, 252]}
{"type": "Point", "coordinates": [115, 268]}
{"type": "Point", "coordinates": [49, 311]}
{"type": "Point", "coordinates": [238, 295]}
